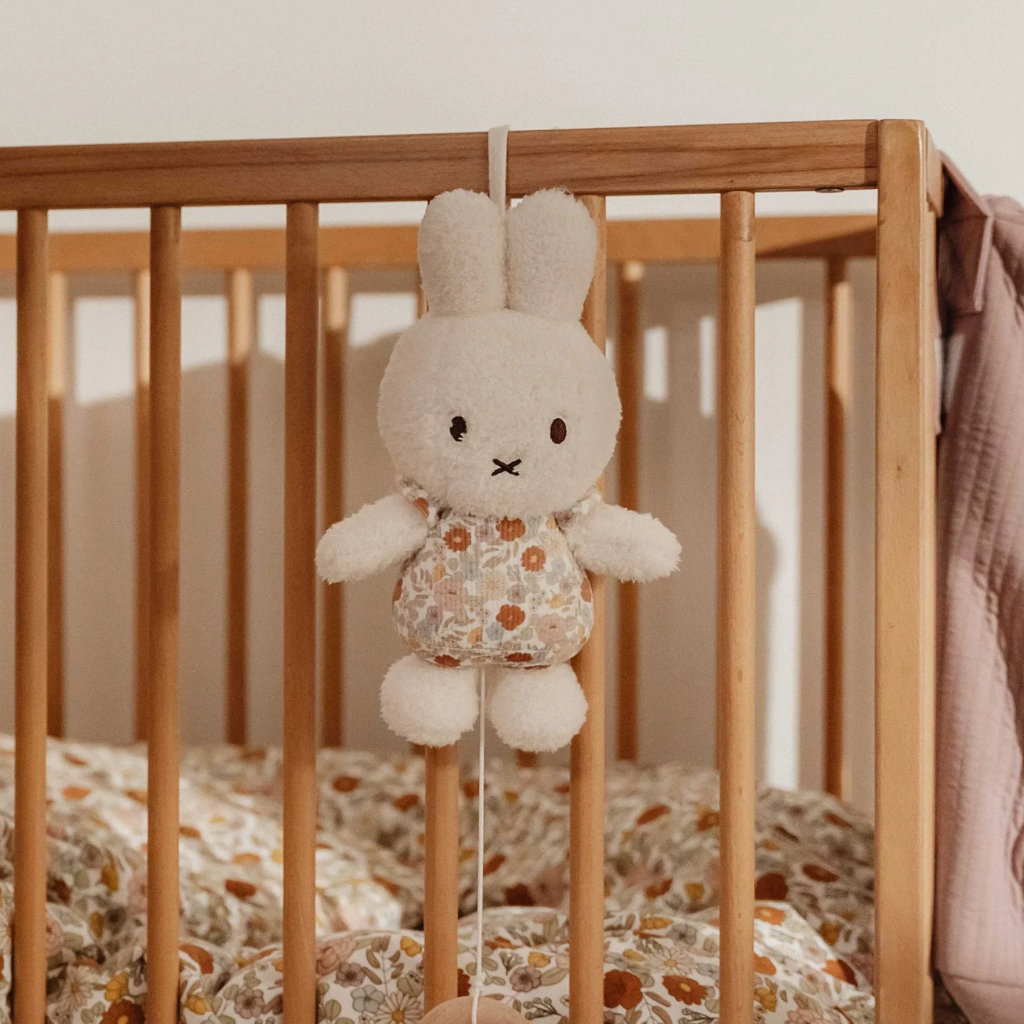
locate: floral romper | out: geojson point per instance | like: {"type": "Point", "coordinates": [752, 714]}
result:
{"type": "Point", "coordinates": [485, 591]}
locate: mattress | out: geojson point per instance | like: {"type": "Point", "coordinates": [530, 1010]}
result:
{"type": "Point", "coordinates": [813, 947]}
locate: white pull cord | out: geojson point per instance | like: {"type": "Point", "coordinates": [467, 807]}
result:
{"type": "Point", "coordinates": [478, 980]}
{"type": "Point", "coordinates": [497, 162]}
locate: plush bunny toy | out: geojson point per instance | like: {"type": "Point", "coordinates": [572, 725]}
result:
{"type": "Point", "coordinates": [499, 413]}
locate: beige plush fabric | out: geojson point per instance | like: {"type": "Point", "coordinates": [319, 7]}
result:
{"type": "Point", "coordinates": [980, 779]}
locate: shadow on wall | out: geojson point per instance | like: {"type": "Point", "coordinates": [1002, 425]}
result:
{"type": "Point", "coordinates": [679, 472]}
{"type": "Point", "coordinates": [678, 484]}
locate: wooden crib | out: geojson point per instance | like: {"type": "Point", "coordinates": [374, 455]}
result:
{"type": "Point", "coordinates": [240, 253]}
{"type": "Point", "coordinates": [895, 156]}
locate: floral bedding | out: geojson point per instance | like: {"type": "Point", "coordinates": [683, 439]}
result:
{"type": "Point", "coordinates": [812, 956]}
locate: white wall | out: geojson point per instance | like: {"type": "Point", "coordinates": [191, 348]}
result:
{"type": "Point", "coordinates": [119, 71]}
{"type": "Point", "coordinates": [112, 72]}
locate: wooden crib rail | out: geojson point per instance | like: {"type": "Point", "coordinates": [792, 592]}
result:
{"type": "Point", "coordinates": [733, 160]}
{"type": "Point", "coordinates": [782, 156]}
{"type": "Point", "coordinates": [366, 246]}
{"type": "Point", "coordinates": [632, 245]}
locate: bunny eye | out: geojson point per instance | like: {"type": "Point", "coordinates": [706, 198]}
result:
{"type": "Point", "coordinates": [458, 428]}
{"type": "Point", "coordinates": [558, 430]}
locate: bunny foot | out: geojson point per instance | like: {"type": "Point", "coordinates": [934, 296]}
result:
{"type": "Point", "coordinates": [537, 710]}
{"type": "Point", "coordinates": [426, 704]}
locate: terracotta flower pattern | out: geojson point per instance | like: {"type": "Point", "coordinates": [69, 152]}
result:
{"type": "Point", "coordinates": [813, 928]}
{"type": "Point", "coordinates": [494, 591]}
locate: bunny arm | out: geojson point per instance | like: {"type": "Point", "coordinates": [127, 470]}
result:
{"type": "Point", "coordinates": [614, 541]}
{"type": "Point", "coordinates": [371, 540]}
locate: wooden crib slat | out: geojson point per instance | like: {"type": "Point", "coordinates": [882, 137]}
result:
{"type": "Point", "coordinates": [628, 366]}
{"type": "Point", "coordinates": [335, 344]}
{"type": "Point", "coordinates": [56, 337]}
{"type": "Point", "coordinates": [30, 638]}
{"type": "Point", "coordinates": [300, 789]}
{"type": "Point", "coordinates": [904, 580]}
{"type": "Point", "coordinates": [143, 520]}
{"type": "Point", "coordinates": [736, 533]}
{"type": "Point", "coordinates": [838, 324]}
{"type": "Point", "coordinates": [421, 298]}
{"type": "Point", "coordinates": [441, 876]}
{"type": "Point", "coordinates": [586, 784]}
{"type": "Point", "coordinates": [241, 325]}
{"type": "Point", "coordinates": [162, 703]}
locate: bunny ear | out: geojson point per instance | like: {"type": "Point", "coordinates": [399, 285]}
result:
{"type": "Point", "coordinates": [462, 254]}
{"type": "Point", "coordinates": [551, 246]}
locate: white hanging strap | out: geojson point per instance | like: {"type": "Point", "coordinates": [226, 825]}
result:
{"type": "Point", "coordinates": [497, 163]}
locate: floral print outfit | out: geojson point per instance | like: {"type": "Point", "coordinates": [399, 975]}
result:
{"type": "Point", "coordinates": [489, 591]}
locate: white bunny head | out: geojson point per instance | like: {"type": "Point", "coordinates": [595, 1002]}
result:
{"type": "Point", "coordinates": [497, 402]}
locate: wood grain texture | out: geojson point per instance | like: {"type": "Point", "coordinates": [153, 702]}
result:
{"type": "Point", "coordinates": [441, 871]}
{"type": "Point", "coordinates": [302, 302]}
{"type": "Point", "coordinates": [607, 161]}
{"type": "Point", "coordinates": [56, 341]}
{"type": "Point", "coordinates": [336, 311]}
{"type": "Point", "coordinates": [682, 240]}
{"type": "Point", "coordinates": [143, 517]}
{"type": "Point", "coordinates": [30, 639]}
{"type": "Point", "coordinates": [163, 700]}
{"type": "Point", "coordinates": [587, 758]}
{"type": "Point", "coordinates": [737, 526]}
{"type": "Point", "coordinates": [241, 333]}
{"type": "Point", "coordinates": [838, 325]}
{"type": "Point", "coordinates": [936, 178]}
{"type": "Point", "coordinates": [629, 370]}
{"type": "Point", "coordinates": [904, 581]}
{"type": "Point", "coordinates": [698, 239]}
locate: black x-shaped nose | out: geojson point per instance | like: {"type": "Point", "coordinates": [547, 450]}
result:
{"type": "Point", "coordinates": [506, 467]}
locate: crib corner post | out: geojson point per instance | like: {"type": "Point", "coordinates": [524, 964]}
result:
{"type": "Point", "coordinates": [904, 579]}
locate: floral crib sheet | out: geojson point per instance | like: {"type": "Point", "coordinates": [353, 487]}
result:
{"type": "Point", "coordinates": [814, 940]}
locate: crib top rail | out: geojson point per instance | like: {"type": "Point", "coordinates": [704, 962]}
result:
{"type": "Point", "coordinates": [684, 240]}
{"type": "Point", "coordinates": [781, 156]}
